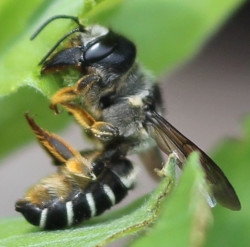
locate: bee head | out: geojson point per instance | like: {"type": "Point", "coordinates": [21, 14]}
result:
{"type": "Point", "coordinates": [96, 47]}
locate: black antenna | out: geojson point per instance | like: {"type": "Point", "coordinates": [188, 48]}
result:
{"type": "Point", "coordinates": [73, 18]}
{"type": "Point", "coordinates": [80, 28]}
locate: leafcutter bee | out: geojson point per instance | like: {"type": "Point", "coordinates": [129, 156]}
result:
{"type": "Point", "coordinates": [118, 104]}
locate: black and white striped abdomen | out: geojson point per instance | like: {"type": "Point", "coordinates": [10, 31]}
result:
{"type": "Point", "coordinates": [99, 195]}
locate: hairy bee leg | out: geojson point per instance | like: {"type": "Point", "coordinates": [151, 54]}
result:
{"type": "Point", "coordinates": [102, 130]}
{"type": "Point", "coordinates": [68, 94]}
{"type": "Point", "coordinates": [61, 151]}
{"type": "Point", "coordinates": [53, 144]}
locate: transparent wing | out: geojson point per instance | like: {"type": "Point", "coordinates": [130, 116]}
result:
{"type": "Point", "coordinates": [170, 140]}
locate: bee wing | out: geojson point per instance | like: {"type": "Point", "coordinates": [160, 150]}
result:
{"type": "Point", "coordinates": [170, 140]}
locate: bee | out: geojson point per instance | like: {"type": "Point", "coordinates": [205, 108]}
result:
{"type": "Point", "coordinates": [118, 104]}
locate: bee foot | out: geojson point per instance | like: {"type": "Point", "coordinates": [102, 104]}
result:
{"type": "Point", "coordinates": [104, 131]}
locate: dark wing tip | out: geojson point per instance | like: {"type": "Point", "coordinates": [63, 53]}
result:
{"type": "Point", "coordinates": [227, 197]}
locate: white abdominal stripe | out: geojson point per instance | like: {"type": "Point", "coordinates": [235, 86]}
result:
{"type": "Point", "coordinates": [99, 195]}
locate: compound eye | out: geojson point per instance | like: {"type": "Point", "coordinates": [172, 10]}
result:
{"type": "Point", "coordinates": [100, 49]}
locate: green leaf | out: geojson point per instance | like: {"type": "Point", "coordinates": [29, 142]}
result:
{"type": "Point", "coordinates": [20, 57]}
{"type": "Point", "coordinates": [133, 218]}
{"type": "Point", "coordinates": [185, 215]}
{"type": "Point", "coordinates": [166, 33]}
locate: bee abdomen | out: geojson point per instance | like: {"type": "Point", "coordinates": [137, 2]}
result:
{"type": "Point", "coordinates": [55, 216]}
{"type": "Point", "coordinates": [99, 195]}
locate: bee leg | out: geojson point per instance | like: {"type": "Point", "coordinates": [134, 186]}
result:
{"type": "Point", "coordinates": [71, 93]}
{"type": "Point", "coordinates": [102, 130]}
{"type": "Point", "coordinates": [61, 152]}
{"type": "Point", "coordinates": [57, 148]}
